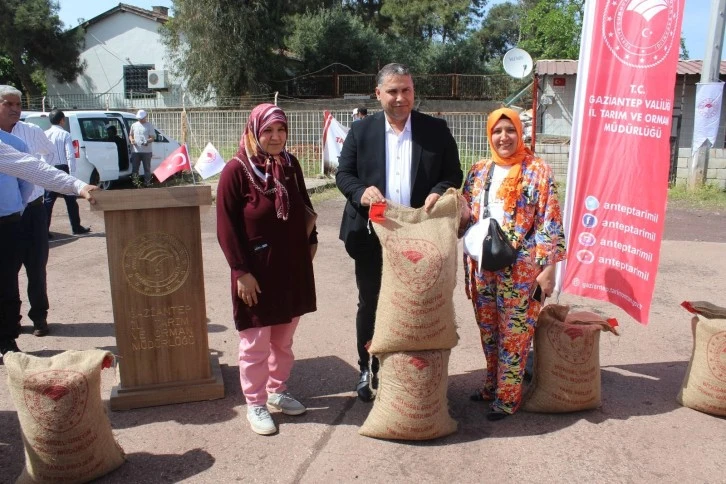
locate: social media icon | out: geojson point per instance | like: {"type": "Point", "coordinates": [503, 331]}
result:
{"type": "Point", "coordinates": [592, 203]}
{"type": "Point", "coordinates": [585, 256]}
{"type": "Point", "coordinates": [587, 239]}
{"type": "Point", "coordinates": [589, 220]}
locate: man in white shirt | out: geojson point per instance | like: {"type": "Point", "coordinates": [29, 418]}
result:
{"type": "Point", "coordinates": [34, 218]}
{"type": "Point", "coordinates": [142, 134]}
{"type": "Point", "coordinates": [62, 158]}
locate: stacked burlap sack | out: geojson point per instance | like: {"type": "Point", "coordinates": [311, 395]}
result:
{"type": "Point", "coordinates": [704, 386]}
{"type": "Point", "coordinates": [66, 432]}
{"type": "Point", "coordinates": [415, 322]}
{"type": "Point", "coordinates": [566, 361]}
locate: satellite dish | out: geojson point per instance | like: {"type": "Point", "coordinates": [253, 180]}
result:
{"type": "Point", "coordinates": [517, 63]}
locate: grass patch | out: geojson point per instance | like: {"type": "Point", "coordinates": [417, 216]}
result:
{"type": "Point", "coordinates": [707, 196]}
{"type": "Point", "coordinates": [326, 194]}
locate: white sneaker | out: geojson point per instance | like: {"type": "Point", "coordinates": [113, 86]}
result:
{"type": "Point", "coordinates": [285, 403]}
{"type": "Point", "coordinates": [261, 420]}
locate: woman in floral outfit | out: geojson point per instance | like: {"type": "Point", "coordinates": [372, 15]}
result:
{"type": "Point", "coordinates": [523, 199]}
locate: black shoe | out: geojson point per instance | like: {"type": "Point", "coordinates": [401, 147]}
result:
{"type": "Point", "coordinates": [363, 388]}
{"type": "Point", "coordinates": [495, 415]}
{"type": "Point", "coordinates": [81, 231]}
{"type": "Point", "coordinates": [41, 328]}
{"type": "Point", "coordinates": [8, 345]}
{"type": "Point", "coordinates": [374, 381]}
{"type": "Point", "coordinates": [50, 236]}
{"type": "Point", "coordinates": [477, 396]}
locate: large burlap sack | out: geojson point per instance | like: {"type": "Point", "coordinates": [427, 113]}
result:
{"type": "Point", "coordinates": [66, 432]}
{"type": "Point", "coordinates": [566, 361]}
{"type": "Point", "coordinates": [415, 306]}
{"type": "Point", "coordinates": [704, 386]}
{"type": "Point", "coordinates": [411, 403]}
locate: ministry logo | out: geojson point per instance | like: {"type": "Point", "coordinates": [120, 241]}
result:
{"type": "Point", "coordinates": [641, 33]}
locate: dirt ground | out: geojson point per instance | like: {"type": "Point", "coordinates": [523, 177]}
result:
{"type": "Point", "coordinates": [640, 434]}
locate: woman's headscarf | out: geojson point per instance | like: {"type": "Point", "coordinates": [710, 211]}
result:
{"type": "Point", "coordinates": [267, 169]}
{"type": "Point", "coordinates": [512, 185]}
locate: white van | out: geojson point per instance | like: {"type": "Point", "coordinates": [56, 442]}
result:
{"type": "Point", "coordinates": [100, 159]}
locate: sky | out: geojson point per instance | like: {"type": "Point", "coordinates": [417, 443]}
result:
{"type": "Point", "coordinates": [695, 18]}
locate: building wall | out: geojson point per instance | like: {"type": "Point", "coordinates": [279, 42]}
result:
{"type": "Point", "coordinates": [122, 39]}
{"type": "Point", "coordinates": [556, 118]}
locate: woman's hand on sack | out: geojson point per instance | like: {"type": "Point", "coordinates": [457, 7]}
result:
{"type": "Point", "coordinates": [370, 196]}
{"type": "Point", "coordinates": [313, 251]}
{"type": "Point", "coordinates": [431, 201]}
{"type": "Point", "coordinates": [248, 289]}
{"type": "Point", "coordinates": [546, 280]}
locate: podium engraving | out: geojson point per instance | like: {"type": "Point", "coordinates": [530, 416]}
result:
{"type": "Point", "coordinates": [156, 264]}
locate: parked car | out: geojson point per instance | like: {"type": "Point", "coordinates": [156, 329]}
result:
{"type": "Point", "coordinates": [100, 157]}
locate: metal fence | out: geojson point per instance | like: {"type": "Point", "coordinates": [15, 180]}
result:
{"type": "Point", "coordinates": [428, 86]}
{"type": "Point", "coordinates": [223, 128]}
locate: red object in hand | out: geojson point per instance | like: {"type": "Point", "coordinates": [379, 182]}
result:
{"type": "Point", "coordinates": [376, 212]}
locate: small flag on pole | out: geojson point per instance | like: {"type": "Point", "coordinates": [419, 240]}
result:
{"type": "Point", "coordinates": [210, 162]}
{"type": "Point", "coordinates": [334, 134]}
{"type": "Point", "coordinates": [177, 161]}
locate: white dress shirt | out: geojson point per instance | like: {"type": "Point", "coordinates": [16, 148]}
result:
{"type": "Point", "coordinates": [63, 152]}
{"type": "Point", "coordinates": [38, 143]}
{"type": "Point", "coordinates": [26, 167]}
{"type": "Point", "coordinates": [398, 164]}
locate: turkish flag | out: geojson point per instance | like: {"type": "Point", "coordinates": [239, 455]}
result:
{"type": "Point", "coordinates": [175, 162]}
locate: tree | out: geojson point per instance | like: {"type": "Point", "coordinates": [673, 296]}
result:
{"type": "Point", "coordinates": [551, 29]}
{"type": "Point", "coordinates": [334, 36]}
{"type": "Point", "coordinates": [229, 46]}
{"type": "Point", "coordinates": [32, 37]}
{"type": "Point", "coordinates": [444, 20]}
{"type": "Point", "coordinates": [683, 55]}
{"type": "Point", "coordinates": [500, 31]}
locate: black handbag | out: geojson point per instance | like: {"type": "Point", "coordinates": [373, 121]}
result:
{"type": "Point", "coordinates": [497, 251]}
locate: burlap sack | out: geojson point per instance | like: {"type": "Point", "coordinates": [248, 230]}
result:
{"type": "Point", "coordinates": [415, 306]}
{"type": "Point", "coordinates": [566, 361]}
{"type": "Point", "coordinates": [411, 403]}
{"type": "Point", "coordinates": [66, 432]}
{"type": "Point", "coordinates": [704, 386]}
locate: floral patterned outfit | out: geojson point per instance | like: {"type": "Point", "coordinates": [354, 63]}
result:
{"type": "Point", "coordinates": [503, 309]}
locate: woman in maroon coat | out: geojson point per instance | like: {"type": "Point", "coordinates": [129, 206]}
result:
{"type": "Point", "coordinates": [261, 202]}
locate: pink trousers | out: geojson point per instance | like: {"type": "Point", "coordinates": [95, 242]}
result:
{"type": "Point", "coordinates": [265, 360]}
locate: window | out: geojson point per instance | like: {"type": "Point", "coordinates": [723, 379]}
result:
{"type": "Point", "coordinates": [136, 83]}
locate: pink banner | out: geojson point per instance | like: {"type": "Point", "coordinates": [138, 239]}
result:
{"type": "Point", "coordinates": [619, 158]}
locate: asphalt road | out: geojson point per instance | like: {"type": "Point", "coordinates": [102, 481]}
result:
{"type": "Point", "coordinates": [640, 434]}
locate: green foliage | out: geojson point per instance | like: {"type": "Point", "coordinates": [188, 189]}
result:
{"type": "Point", "coordinates": [499, 31]}
{"type": "Point", "coordinates": [231, 47]}
{"type": "Point", "coordinates": [32, 38]}
{"type": "Point", "coordinates": [707, 196]}
{"type": "Point", "coordinates": [683, 53]}
{"type": "Point", "coordinates": [551, 29]}
{"type": "Point", "coordinates": [444, 20]}
{"type": "Point", "coordinates": [335, 35]}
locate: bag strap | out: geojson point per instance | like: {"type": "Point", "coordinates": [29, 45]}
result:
{"type": "Point", "coordinates": [485, 202]}
{"type": "Point", "coordinates": [487, 185]}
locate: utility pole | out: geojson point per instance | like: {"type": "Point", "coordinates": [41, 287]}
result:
{"type": "Point", "coordinates": [709, 73]}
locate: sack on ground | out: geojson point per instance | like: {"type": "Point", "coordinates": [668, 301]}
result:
{"type": "Point", "coordinates": [704, 386]}
{"type": "Point", "coordinates": [415, 306]}
{"type": "Point", "coordinates": [66, 432]}
{"type": "Point", "coordinates": [566, 361]}
{"type": "Point", "coordinates": [411, 402]}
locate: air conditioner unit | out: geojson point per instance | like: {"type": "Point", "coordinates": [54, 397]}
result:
{"type": "Point", "coordinates": [158, 79]}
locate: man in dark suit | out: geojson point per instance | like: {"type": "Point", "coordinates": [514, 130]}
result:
{"type": "Point", "coordinates": [400, 155]}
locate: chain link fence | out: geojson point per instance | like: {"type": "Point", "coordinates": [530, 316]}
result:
{"type": "Point", "coordinates": [223, 128]}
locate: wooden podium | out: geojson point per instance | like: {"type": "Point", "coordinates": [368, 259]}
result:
{"type": "Point", "coordinates": [154, 246]}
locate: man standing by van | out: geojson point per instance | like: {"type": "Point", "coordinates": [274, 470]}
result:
{"type": "Point", "coordinates": [142, 135]}
{"type": "Point", "coordinates": [63, 159]}
{"type": "Point", "coordinates": [34, 218]}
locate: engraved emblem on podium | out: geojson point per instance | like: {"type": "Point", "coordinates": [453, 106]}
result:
{"type": "Point", "coordinates": [156, 264]}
